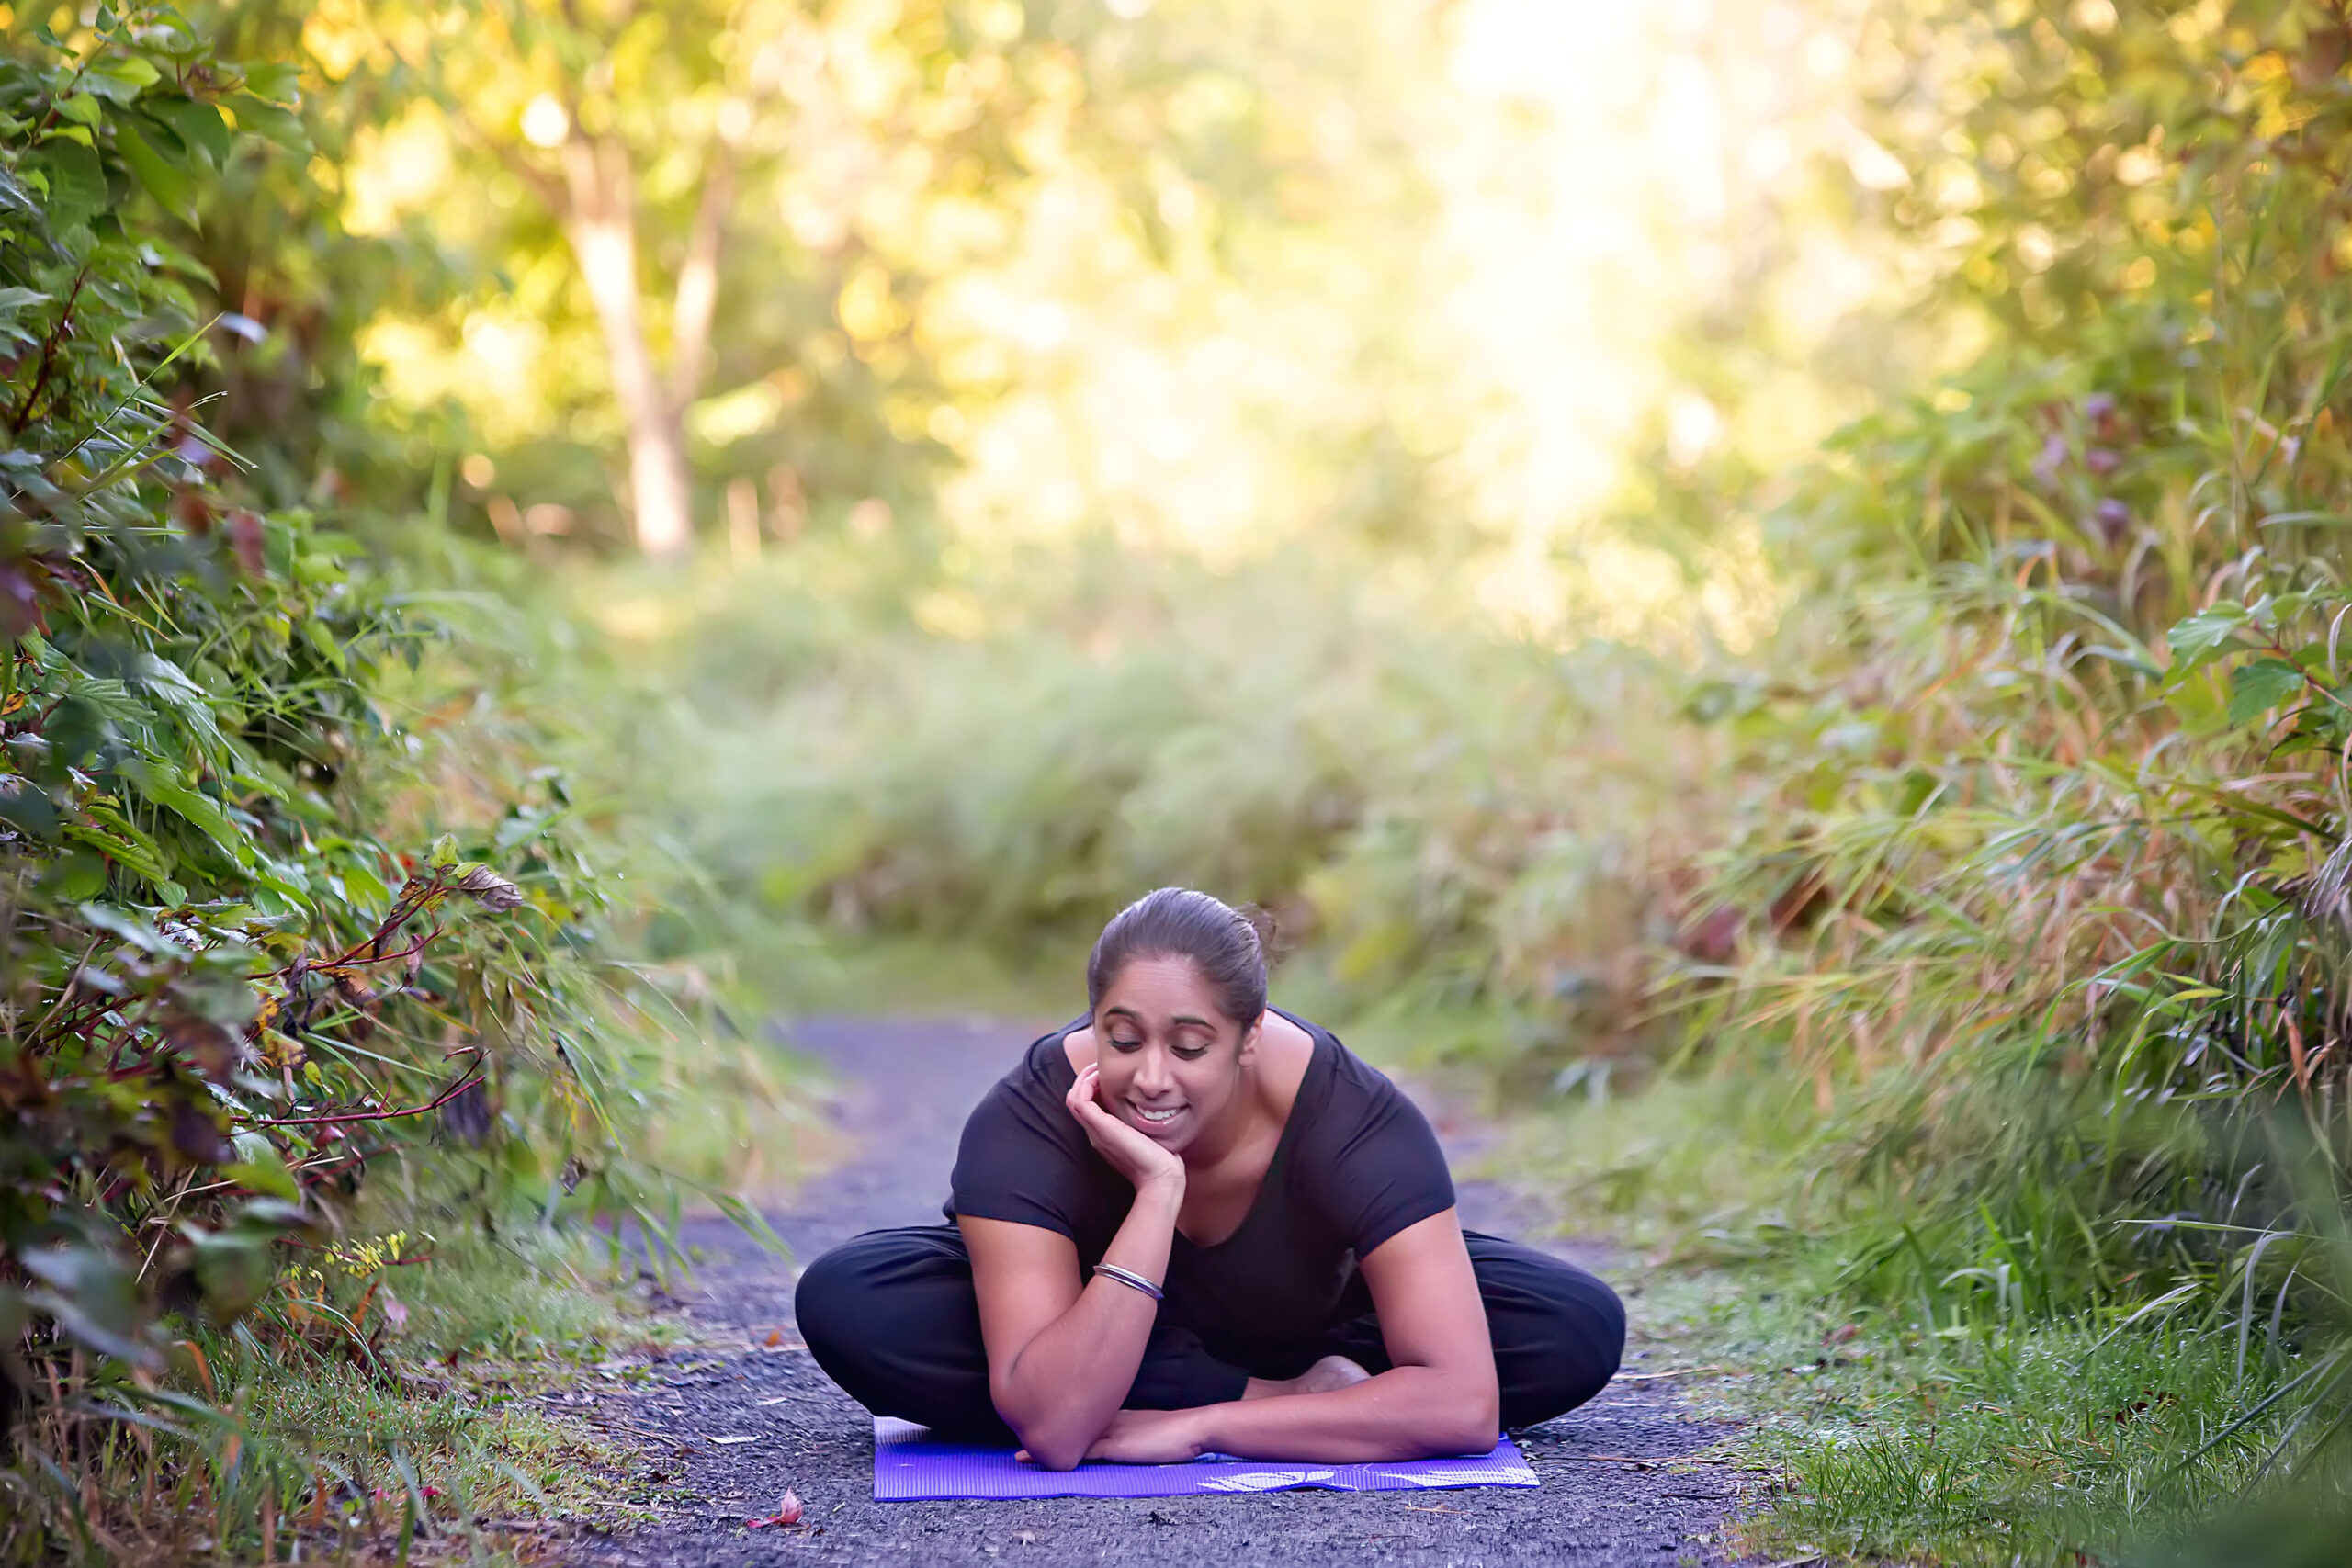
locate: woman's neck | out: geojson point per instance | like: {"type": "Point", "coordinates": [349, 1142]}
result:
{"type": "Point", "coordinates": [1246, 1118]}
{"type": "Point", "coordinates": [1255, 1117]}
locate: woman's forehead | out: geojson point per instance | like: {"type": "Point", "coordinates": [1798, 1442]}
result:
{"type": "Point", "coordinates": [1163, 987]}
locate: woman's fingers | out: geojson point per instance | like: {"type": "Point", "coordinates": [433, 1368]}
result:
{"type": "Point", "coordinates": [1086, 1105]}
{"type": "Point", "coordinates": [1132, 1153]}
{"type": "Point", "coordinates": [1082, 1102]}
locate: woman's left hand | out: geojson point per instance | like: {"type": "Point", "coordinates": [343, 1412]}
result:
{"type": "Point", "coordinates": [1149, 1436]}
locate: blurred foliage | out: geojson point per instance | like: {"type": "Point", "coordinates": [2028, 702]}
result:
{"type": "Point", "coordinates": [2055, 842]}
{"type": "Point", "coordinates": [857, 196]}
{"type": "Point", "coordinates": [276, 938]}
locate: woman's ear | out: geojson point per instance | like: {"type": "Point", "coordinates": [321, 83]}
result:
{"type": "Point", "coordinates": [1249, 1052]}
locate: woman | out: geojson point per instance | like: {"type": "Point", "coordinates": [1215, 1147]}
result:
{"type": "Point", "coordinates": [1189, 1223]}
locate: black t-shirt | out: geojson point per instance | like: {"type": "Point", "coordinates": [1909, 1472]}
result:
{"type": "Point", "coordinates": [1356, 1163]}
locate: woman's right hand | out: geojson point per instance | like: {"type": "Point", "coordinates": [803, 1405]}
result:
{"type": "Point", "coordinates": [1129, 1152]}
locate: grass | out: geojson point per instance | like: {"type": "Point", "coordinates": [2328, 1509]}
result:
{"type": "Point", "coordinates": [815, 971]}
{"type": "Point", "coordinates": [372, 1431]}
{"type": "Point", "coordinates": [1949, 1426]}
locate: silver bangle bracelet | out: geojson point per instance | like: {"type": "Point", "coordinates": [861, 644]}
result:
{"type": "Point", "coordinates": [1130, 1279]}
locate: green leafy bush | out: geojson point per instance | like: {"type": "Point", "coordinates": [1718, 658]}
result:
{"type": "Point", "coordinates": [259, 956]}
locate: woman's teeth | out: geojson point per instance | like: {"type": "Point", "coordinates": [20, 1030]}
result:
{"type": "Point", "coordinates": [1157, 1115]}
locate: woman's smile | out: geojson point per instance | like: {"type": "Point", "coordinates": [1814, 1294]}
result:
{"type": "Point", "coordinates": [1155, 1121]}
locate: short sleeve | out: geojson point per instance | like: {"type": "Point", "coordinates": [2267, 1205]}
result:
{"type": "Point", "coordinates": [1386, 1172]}
{"type": "Point", "coordinates": [1022, 1158]}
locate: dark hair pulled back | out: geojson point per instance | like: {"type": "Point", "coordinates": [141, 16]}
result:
{"type": "Point", "coordinates": [1177, 922]}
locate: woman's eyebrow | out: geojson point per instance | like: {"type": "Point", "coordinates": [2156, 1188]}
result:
{"type": "Point", "coordinates": [1180, 1018]}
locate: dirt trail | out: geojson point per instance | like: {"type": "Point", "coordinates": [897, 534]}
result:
{"type": "Point", "coordinates": [908, 1086]}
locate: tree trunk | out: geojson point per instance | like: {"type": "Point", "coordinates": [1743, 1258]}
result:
{"type": "Point", "coordinates": [697, 296]}
{"type": "Point", "coordinates": [600, 222]}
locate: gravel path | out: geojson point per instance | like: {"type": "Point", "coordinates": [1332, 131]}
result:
{"type": "Point", "coordinates": [908, 1086]}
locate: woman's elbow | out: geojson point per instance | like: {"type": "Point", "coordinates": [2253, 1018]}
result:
{"type": "Point", "coordinates": [1468, 1423]}
{"type": "Point", "coordinates": [1049, 1449]}
{"type": "Point", "coordinates": [1054, 1456]}
{"type": "Point", "coordinates": [1043, 1439]}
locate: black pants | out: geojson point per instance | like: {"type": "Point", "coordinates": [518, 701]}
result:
{"type": "Point", "coordinates": [891, 1317]}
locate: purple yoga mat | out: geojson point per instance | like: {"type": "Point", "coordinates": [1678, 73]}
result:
{"type": "Point", "coordinates": [909, 1467]}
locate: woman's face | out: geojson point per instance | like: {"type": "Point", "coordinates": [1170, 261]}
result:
{"type": "Point", "coordinates": [1171, 1065]}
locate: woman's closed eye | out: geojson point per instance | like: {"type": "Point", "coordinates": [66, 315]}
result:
{"type": "Point", "coordinates": [1185, 1051]}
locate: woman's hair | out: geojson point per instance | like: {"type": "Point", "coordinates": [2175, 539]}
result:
{"type": "Point", "coordinates": [1227, 944]}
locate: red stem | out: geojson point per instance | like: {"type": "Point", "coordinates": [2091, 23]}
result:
{"type": "Point", "coordinates": [443, 1098]}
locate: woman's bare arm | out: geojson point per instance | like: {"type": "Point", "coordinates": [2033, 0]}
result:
{"type": "Point", "coordinates": [1439, 1397]}
{"type": "Point", "coordinates": [1063, 1348]}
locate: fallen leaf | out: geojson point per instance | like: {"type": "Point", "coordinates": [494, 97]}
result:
{"type": "Point", "coordinates": [776, 1336]}
{"type": "Point", "coordinates": [787, 1512]}
{"type": "Point", "coordinates": [1669, 1372]}
{"type": "Point", "coordinates": [489, 889]}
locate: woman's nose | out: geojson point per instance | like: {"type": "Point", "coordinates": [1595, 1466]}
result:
{"type": "Point", "coordinates": [1153, 1075]}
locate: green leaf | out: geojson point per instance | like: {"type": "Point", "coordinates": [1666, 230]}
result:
{"type": "Point", "coordinates": [128, 69]}
{"type": "Point", "coordinates": [2256, 688]}
{"type": "Point", "coordinates": [80, 107]}
{"type": "Point", "coordinates": [278, 80]}
{"type": "Point", "coordinates": [112, 89]}
{"type": "Point", "coordinates": [131, 927]}
{"type": "Point", "coordinates": [132, 850]}
{"type": "Point", "coordinates": [115, 835]}
{"type": "Point", "coordinates": [445, 852]}
{"type": "Point", "coordinates": [77, 182]}
{"type": "Point", "coordinates": [323, 638]}
{"type": "Point", "coordinates": [169, 685]}
{"type": "Point", "coordinates": [74, 876]}
{"type": "Point", "coordinates": [269, 123]}
{"type": "Point", "coordinates": [264, 1174]}
{"type": "Point", "coordinates": [365, 890]}
{"type": "Point", "coordinates": [165, 181]}
{"type": "Point", "coordinates": [15, 198]}
{"type": "Point", "coordinates": [92, 1297]}
{"type": "Point", "coordinates": [15, 299]}
{"type": "Point", "coordinates": [162, 783]}
{"type": "Point", "coordinates": [198, 124]}
{"type": "Point", "coordinates": [23, 805]}
{"type": "Point", "coordinates": [233, 1267]}
{"type": "Point", "coordinates": [2202, 638]}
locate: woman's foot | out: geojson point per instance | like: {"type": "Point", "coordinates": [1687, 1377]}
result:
{"type": "Point", "coordinates": [1330, 1372]}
